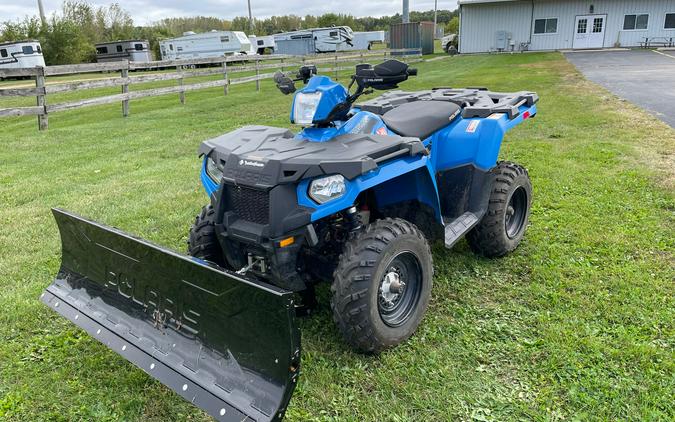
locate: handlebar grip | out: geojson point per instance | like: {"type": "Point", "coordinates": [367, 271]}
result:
{"type": "Point", "coordinates": [412, 71]}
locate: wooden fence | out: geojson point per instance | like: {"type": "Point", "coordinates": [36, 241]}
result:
{"type": "Point", "coordinates": [180, 70]}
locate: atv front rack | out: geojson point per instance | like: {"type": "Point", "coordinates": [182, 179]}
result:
{"type": "Point", "coordinates": [475, 102]}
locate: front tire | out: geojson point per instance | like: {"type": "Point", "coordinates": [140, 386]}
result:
{"type": "Point", "coordinates": [203, 240]}
{"type": "Point", "coordinates": [504, 224]}
{"type": "Point", "coordinates": [382, 285]}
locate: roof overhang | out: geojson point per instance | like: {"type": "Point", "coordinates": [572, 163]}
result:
{"type": "Point", "coordinates": [465, 2]}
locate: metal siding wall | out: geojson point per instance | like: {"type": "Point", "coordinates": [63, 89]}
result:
{"type": "Point", "coordinates": [412, 35]}
{"type": "Point", "coordinates": [480, 22]}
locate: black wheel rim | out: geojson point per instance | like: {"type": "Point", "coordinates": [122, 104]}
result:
{"type": "Point", "coordinates": [396, 303]}
{"type": "Point", "coordinates": [514, 218]}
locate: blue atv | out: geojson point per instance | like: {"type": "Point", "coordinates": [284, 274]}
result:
{"type": "Point", "coordinates": [354, 199]}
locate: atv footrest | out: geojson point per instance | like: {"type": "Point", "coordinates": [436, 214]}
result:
{"type": "Point", "coordinates": [455, 229]}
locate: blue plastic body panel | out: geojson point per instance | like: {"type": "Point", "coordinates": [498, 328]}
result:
{"type": "Point", "coordinates": [332, 94]}
{"type": "Point", "coordinates": [472, 141]}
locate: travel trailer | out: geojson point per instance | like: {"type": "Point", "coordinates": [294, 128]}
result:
{"type": "Point", "coordinates": [260, 43]}
{"type": "Point", "coordinates": [206, 44]}
{"type": "Point", "coordinates": [131, 50]}
{"type": "Point", "coordinates": [21, 54]}
{"type": "Point", "coordinates": [325, 39]}
{"type": "Point", "coordinates": [363, 41]}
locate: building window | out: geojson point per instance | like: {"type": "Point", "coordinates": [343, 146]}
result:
{"type": "Point", "coordinates": [546, 26]}
{"type": "Point", "coordinates": [39, 49]}
{"type": "Point", "coordinates": [581, 26]}
{"type": "Point", "coordinates": [670, 21]}
{"type": "Point", "coordinates": [3, 53]}
{"type": "Point", "coordinates": [261, 42]}
{"type": "Point", "coordinates": [101, 50]}
{"type": "Point", "coordinates": [225, 38]}
{"type": "Point", "coordinates": [332, 34]}
{"type": "Point", "coordinates": [171, 47]}
{"type": "Point", "coordinates": [27, 49]}
{"type": "Point", "coordinates": [119, 48]}
{"type": "Point", "coordinates": [138, 47]}
{"type": "Point", "coordinates": [597, 25]}
{"type": "Point", "coordinates": [635, 22]}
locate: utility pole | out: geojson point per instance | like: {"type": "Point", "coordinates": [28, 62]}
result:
{"type": "Point", "coordinates": [406, 11]}
{"type": "Point", "coordinates": [43, 19]}
{"type": "Point", "coordinates": [250, 19]}
{"type": "Point", "coordinates": [435, 14]}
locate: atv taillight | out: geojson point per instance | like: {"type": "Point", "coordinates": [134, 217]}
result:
{"type": "Point", "coordinates": [526, 115]}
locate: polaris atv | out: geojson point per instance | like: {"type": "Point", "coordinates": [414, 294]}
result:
{"type": "Point", "coordinates": [354, 199]}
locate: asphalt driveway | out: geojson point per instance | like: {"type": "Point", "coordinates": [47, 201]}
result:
{"type": "Point", "coordinates": [643, 77]}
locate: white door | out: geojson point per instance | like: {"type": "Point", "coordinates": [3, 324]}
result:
{"type": "Point", "coordinates": [589, 31]}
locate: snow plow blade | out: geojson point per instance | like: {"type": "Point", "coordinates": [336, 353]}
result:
{"type": "Point", "coordinates": [227, 344]}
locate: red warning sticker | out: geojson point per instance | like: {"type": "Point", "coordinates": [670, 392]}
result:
{"type": "Point", "coordinates": [473, 125]}
{"type": "Point", "coordinates": [381, 131]}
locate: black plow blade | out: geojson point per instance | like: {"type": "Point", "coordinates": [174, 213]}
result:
{"type": "Point", "coordinates": [227, 344]}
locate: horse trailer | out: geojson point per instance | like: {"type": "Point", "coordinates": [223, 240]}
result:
{"type": "Point", "coordinates": [260, 43]}
{"type": "Point", "coordinates": [131, 50]}
{"type": "Point", "coordinates": [21, 54]}
{"type": "Point", "coordinates": [204, 45]}
{"type": "Point", "coordinates": [325, 39]}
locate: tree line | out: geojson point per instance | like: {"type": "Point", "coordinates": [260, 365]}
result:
{"type": "Point", "coordinates": [68, 36]}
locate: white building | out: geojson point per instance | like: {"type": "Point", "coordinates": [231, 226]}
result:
{"type": "Point", "coordinates": [506, 25]}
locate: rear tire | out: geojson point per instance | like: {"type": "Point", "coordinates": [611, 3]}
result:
{"type": "Point", "coordinates": [504, 224]}
{"type": "Point", "coordinates": [373, 310]}
{"type": "Point", "coordinates": [203, 240]}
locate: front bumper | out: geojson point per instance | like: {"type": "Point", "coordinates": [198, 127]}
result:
{"type": "Point", "coordinates": [259, 224]}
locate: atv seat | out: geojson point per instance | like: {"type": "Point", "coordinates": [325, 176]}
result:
{"type": "Point", "coordinates": [419, 119]}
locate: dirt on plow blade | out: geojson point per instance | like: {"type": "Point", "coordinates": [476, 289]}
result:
{"type": "Point", "coordinates": [227, 344]}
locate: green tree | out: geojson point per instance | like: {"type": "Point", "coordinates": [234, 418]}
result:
{"type": "Point", "coordinates": [453, 26]}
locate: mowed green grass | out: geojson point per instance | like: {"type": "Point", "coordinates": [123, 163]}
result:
{"type": "Point", "coordinates": [577, 324]}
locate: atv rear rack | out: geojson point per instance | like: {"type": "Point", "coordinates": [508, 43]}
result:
{"type": "Point", "coordinates": [475, 102]}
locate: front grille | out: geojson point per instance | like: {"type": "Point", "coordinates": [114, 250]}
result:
{"type": "Point", "coordinates": [250, 204]}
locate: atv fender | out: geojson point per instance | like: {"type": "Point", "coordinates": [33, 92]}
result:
{"type": "Point", "coordinates": [395, 181]}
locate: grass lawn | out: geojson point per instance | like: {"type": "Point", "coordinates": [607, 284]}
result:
{"type": "Point", "coordinates": [577, 324]}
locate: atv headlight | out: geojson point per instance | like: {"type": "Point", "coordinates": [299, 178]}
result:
{"type": "Point", "coordinates": [213, 171]}
{"type": "Point", "coordinates": [327, 188]}
{"type": "Point", "coordinates": [304, 107]}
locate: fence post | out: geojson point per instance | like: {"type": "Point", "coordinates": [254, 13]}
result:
{"type": "Point", "coordinates": [180, 83]}
{"type": "Point", "coordinates": [125, 90]}
{"type": "Point", "coordinates": [257, 74]}
{"type": "Point", "coordinates": [226, 86]}
{"type": "Point", "coordinates": [282, 64]}
{"type": "Point", "coordinates": [336, 65]}
{"type": "Point", "coordinates": [43, 120]}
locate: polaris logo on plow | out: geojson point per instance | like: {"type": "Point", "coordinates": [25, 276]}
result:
{"type": "Point", "coordinates": [251, 163]}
